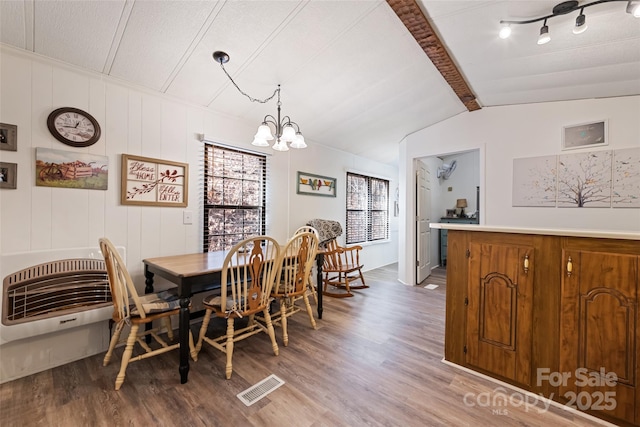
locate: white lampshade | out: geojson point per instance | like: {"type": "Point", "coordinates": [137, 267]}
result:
{"type": "Point", "coordinates": [259, 142]}
{"type": "Point", "coordinates": [264, 132]}
{"type": "Point", "coordinates": [288, 133]}
{"type": "Point", "coordinates": [298, 142]}
{"type": "Point", "coordinates": [280, 145]}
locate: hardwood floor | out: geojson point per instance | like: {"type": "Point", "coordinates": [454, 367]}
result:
{"type": "Point", "coordinates": [375, 360]}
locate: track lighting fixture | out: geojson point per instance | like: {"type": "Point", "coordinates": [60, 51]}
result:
{"type": "Point", "coordinates": [633, 8]}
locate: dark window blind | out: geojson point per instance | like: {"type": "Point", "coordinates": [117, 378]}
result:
{"type": "Point", "coordinates": [367, 208]}
{"type": "Point", "coordinates": [234, 196]}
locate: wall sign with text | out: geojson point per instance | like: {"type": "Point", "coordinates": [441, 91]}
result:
{"type": "Point", "coordinates": [153, 182]}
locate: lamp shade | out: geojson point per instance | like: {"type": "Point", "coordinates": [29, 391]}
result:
{"type": "Point", "coordinates": [461, 203]}
{"type": "Point", "coordinates": [280, 145]}
{"type": "Point", "coordinates": [264, 132]}
{"type": "Point", "coordinates": [298, 142]}
{"type": "Point", "coordinates": [288, 133]}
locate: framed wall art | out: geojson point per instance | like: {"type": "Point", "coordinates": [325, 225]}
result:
{"type": "Point", "coordinates": [70, 169]}
{"type": "Point", "coordinates": [584, 135]}
{"type": "Point", "coordinates": [8, 137]}
{"type": "Point", "coordinates": [154, 182]}
{"type": "Point", "coordinates": [8, 175]}
{"type": "Point", "coordinates": [316, 185]}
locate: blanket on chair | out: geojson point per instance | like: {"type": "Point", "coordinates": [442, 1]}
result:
{"type": "Point", "coordinates": [327, 229]}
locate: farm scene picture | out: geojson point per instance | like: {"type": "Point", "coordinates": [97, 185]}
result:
{"type": "Point", "coordinates": [66, 169]}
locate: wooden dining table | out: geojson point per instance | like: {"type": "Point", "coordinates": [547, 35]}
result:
{"type": "Point", "coordinates": [194, 273]}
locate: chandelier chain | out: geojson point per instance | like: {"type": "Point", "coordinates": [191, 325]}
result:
{"type": "Point", "coordinates": [252, 99]}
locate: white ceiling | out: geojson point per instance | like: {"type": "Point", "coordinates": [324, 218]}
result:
{"type": "Point", "coordinates": [352, 76]}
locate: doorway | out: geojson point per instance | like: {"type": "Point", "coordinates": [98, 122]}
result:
{"type": "Point", "coordinates": [460, 183]}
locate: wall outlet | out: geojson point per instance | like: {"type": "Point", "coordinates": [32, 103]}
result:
{"type": "Point", "coordinates": [187, 217]}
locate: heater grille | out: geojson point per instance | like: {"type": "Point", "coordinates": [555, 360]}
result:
{"type": "Point", "coordinates": [55, 288]}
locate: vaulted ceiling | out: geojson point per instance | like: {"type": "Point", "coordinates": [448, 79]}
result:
{"type": "Point", "coordinates": [353, 76]}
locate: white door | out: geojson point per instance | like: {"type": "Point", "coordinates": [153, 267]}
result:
{"type": "Point", "coordinates": [423, 209]}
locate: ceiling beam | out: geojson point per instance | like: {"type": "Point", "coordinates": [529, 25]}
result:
{"type": "Point", "coordinates": [413, 18]}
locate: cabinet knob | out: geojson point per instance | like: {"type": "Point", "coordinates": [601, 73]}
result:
{"type": "Point", "coordinates": [526, 264]}
{"type": "Point", "coordinates": [569, 267]}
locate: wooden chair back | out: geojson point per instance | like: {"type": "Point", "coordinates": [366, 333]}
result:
{"type": "Point", "coordinates": [307, 229]}
{"type": "Point", "coordinates": [298, 257]}
{"type": "Point", "coordinates": [123, 290]}
{"type": "Point", "coordinates": [248, 274]}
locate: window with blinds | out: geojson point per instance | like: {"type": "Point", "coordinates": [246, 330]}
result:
{"type": "Point", "coordinates": [234, 196]}
{"type": "Point", "coordinates": [367, 208]}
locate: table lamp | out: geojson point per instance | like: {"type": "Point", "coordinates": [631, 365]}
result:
{"type": "Point", "coordinates": [461, 203]}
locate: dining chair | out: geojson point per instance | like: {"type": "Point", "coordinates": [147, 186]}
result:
{"type": "Point", "coordinates": [298, 257]}
{"type": "Point", "coordinates": [134, 310]}
{"type": "Point", "coordinates": [248, 274]}
{"type": "Point", "coordinates": [312, 288]}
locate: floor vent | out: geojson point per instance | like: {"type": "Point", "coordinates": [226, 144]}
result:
{"type": "Point", "coordinates": [260, 390]}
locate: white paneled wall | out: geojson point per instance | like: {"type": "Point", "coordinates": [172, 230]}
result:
{"type": "Point", "coordinates": [134, 121]}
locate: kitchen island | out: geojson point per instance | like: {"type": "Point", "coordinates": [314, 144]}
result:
{"type": "Point", "coordinates": [551, 311]}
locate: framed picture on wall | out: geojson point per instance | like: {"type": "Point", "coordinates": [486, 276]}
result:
{"type": "Point", "coordinates": [154, 182]}
{"type": "Point", "coordinates": [8, 137]}
{"type": "Point", "coordinates": [8, 175]}
{"type": "Point", "coordinates": [585, 135]}
{"type": "Point", "coordinates": [316, 185]}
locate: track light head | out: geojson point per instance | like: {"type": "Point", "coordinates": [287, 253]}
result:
{"type": "Point", "coordinates": [581, 24]}
{"type": "Point", "coordinates": [544, 36]}
{"type": "Point", "coordinates": [633, 7]}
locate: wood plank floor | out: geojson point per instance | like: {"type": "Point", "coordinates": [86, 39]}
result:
{"type": "Point", "coordinates": [375, 360]}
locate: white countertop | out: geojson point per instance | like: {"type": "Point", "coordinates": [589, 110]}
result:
{"type": "Point", "coordinates": [601, 234]}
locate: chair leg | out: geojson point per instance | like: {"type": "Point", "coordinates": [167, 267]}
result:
{"type": "Point", "coordinates": [229, 347]}
{"type": "Point", "coordinates": [112, 344]}
{"type": "Point", "coordinates": [283, 321]}
{"type": "Point", "coordinates": [126, 356]}
{"type": "Point", "coordinates": [169, 328]}
{"type": "Point", "coordinates": [272, 333]}
{"type": "Point", "coordinates": [203, 331]}
{"type": "Point", "coordinates": [309, 311]}
{"type": "Point", "coordinates": [194, 353]}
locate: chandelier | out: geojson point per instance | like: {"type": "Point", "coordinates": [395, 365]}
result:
{"type": "Point", "coordinates": [285, 130]}
{"type": "Point", "coordinates": [633, 8]}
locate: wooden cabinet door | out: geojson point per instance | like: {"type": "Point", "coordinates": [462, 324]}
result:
{"type": "Point", "coordinates": [500, 291]}
{"type": "Point", "coordinates": [599, 332]}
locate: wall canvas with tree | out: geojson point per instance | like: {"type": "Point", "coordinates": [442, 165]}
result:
{"type": "Point", "coordinates": [626, 178]}
{"type": "Point", "coordinates": [584, 180]}
{"type": "Point", "coordinates": [534, 181]}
